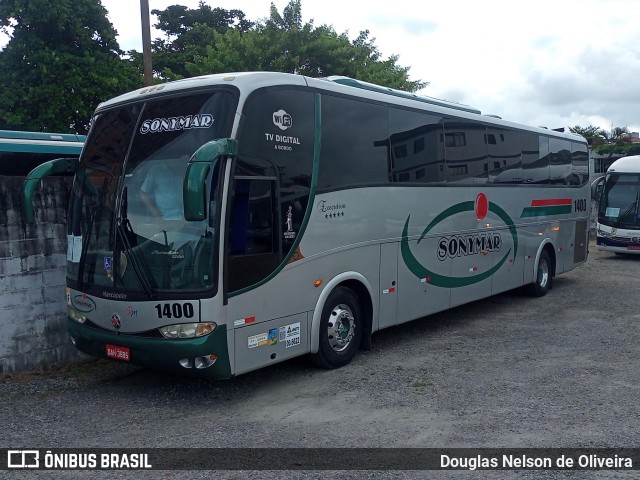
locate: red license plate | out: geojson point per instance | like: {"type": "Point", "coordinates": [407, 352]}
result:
{"type": "Point", "coordinates": [119, 353]}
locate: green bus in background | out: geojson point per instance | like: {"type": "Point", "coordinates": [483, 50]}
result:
{"type": "Point", "coordinates": [21, 152]}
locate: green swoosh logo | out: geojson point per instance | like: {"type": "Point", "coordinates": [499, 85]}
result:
{"type": "Point", "coordinates": [420, 271]}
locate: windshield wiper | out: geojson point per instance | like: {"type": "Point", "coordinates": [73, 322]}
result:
{"type": "Point", "coordinates": [631, 209]}
{"type": "Point", "coordinates": [123, 235]}
{"type": "Point", "coordinates": [125, 232]}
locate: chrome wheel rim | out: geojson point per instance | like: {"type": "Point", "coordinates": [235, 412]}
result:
{"type": "Point", "coordinates": [341, 327]}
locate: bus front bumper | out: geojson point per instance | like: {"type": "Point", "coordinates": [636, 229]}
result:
{"type": "Point", "coordinates": [609, 244]}
{"type": "Point", "coordinates": [206, 356]}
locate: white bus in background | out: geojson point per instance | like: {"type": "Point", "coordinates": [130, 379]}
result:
{"type": "Point", "coordinates": [315, 212]}
{"type": "Point", "coordinates": [618, 195]}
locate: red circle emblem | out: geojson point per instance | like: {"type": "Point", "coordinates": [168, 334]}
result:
{"type": "Point", "coordinates": [482, 206]}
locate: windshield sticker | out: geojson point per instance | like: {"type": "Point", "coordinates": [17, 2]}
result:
{"type": "Point", "coordinates": [74, 248]}
{"type": "Point", "coordinates": [612, 212]}
{"type": "Point", "coordinates": [159, 125]}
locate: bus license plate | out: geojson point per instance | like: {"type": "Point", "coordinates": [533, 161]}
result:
{"type": "Point", "coordinates": [119, 353]}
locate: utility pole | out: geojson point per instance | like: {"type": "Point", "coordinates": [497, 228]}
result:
{"type": "Point", "coordinates": [146, 42]}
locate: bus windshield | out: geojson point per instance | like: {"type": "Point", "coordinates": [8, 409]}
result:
{"type": "Point", "coordinates": [620, 203]}
{"type": "Point", "coordinates": [126, 227]}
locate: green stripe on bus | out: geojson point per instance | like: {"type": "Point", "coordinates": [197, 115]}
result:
{"type": "Point", "coordinates": [545, 211]}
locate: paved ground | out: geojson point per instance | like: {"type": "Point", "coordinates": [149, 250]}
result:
{"type": "Point", "coordinates": [509, 371]}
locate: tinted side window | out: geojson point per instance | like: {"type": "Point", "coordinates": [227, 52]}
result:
{"type": "Point", "coordinates": [535, 165]}
{"type": "Point", "coordinates": [278, 126]}
{"type": "Point", "coordinates": [417, 154]}
{"type": "Point", "coordinates": [272, 182]}
{"type": "Point", "coordinates": [559, 161]}
{"type": "Point", "coordinates": [579, 163]}
{"type": "Point", "coordinates": [253, 243]}
{"type": "Point", "coordinates": [278, 129]}
{"type": "Point", "coordinates": [354, 144]}
{"type": "Point", "coordinates": [465, 151]}
{"type": "Point", "coordinates": [504, 155]}
{"type": "Point", "coordinates": [530, 154]}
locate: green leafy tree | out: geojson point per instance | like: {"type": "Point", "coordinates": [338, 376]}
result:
{"type": "Point", "coordinates": [617, 136]}
{"type": "Point", "coordinates": [592, 134]}
{"type": "Point", "coordinates": [189, 32]}
{"type": "Point", "coordinates": [281, 43]}
{"type": "Point", "coordinates": [614, 143]}
{"type": "Point", "coordinates": [61, 61]}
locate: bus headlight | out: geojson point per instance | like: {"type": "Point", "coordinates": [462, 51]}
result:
{"type": "Point", "coordinates": [188, 330]}
{"type": "Point", "coordinates": [75, 314]}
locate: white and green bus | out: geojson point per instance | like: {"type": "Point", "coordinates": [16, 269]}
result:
{"type": "Point", "coordinates": [618, 194]}
{"type": "Point", "coordinates": [224, 223]}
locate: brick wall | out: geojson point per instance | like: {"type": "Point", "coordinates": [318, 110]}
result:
{"type": "Point", "coordinates": [32, 278]}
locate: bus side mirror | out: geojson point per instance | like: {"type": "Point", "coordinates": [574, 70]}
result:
{"type": "Point", "coordinates": [194, 188]}
{"type": "Point", "coordinates": [596, 189]}
{"type": "Point", "coordinates": [52, 167]}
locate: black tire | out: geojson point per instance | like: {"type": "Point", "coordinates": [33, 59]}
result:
{"type": "Point", "coordinates": [340, 329]}
{"type": "Point", "coordinates": [544, 277]}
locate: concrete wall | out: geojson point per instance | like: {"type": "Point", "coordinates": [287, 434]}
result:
{"type": "Point", "coordinates": [32, 278]}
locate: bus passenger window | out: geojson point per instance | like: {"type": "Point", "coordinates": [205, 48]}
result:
{"type": "Point", "coordinates": [355, 142]}
{"type": "Point", "coordinates": [559, 161]}
{"type": "Point", "coordinates": [466, 151]}
{"type": "Point", "coordinates": [252, 218]}
{"type": "Point", "coordinates": [416, 153]}
{"type": "Point", "coordinates": [535, 159]}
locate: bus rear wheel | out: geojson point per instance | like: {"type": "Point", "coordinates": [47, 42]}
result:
{"type": "Point", "coordinates": [544, 277]}
{"type": "Point", "coordinates": [340, 329]}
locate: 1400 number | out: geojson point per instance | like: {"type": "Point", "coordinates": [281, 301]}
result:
{"type": "Point", "coordinates": [580, 205]}
{"type": "Point", "coordinates": [174, 310]}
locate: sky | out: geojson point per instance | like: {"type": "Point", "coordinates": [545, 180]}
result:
{"type": "Point", "coordinates": [552, 63]}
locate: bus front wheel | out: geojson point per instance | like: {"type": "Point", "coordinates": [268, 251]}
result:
{"type": "Point", "coordinates": [544, 276]}
{"type": "Point", "coordinates": [340, 329]}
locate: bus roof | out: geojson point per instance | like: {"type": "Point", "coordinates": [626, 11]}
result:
{"type": "Point", "coordinates": [249, 81]}
{"type": "Point", "coordinates": [20, 152]}
{"type": "Point", "coordinates": [400, 93]}
{"type": "Point", "coordinates": [39, 142]}
{"type": "Point", "coordinates": [56, 137]}
{"type": "Point", "coordinates": [629, 164]}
